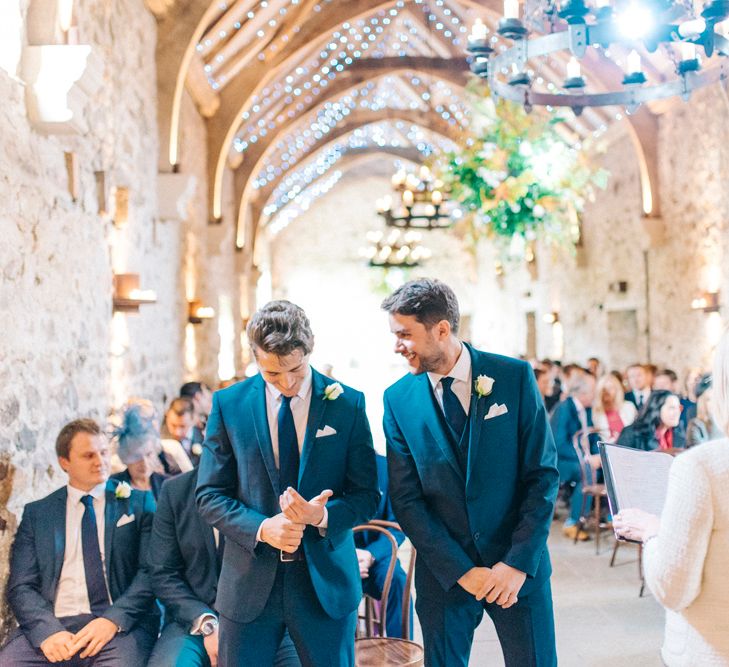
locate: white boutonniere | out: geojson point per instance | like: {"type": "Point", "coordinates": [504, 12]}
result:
{"type": "Point", "coordinates": [484, 385]}
{"type": "Point", "coordinates": [333, 391]}
{"type": "Point", "coordinates": [123, 490]}
{"type": "Point", "coordinates": [196, 449]}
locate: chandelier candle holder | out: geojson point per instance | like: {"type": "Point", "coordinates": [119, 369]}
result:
{"type": "Point", "coordinates": [689, 35]}
{"type": "Point", "coordinates": [419, 203]}
{"type": "Point", "coordinates": [395, 248]}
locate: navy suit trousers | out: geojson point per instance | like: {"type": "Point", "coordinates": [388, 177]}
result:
{"type": "Point", "coordinates": [525, 631]}
{"type": "Point", "coordinates": [320, 640]}
{"type": "Point", "coordinates": [126, 649]}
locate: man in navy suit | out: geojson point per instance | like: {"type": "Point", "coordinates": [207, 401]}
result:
{"type": "Point", "coordinates": [570, 416]}
{"type": "Point", "coordinates": [287, 471]}
{"type": "Point", "coordinates": [473, 482]}
{"type": "Point", "coordinates": [185, 560]}
{"type": "Point", "coordinates": [374, 552]}
{"type": "Point", "coordinates": [79, 586]}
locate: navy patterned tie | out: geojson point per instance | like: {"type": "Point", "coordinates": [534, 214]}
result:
{"type": "Point", "coordinates": [454, 413]}
{"type": "Point", "coordinates": [93, 567]}
{"type": "Point", "coordinates": [288, 446]}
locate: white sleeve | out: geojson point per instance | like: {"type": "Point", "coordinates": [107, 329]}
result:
{"type": "Point", "coordinates": [673, 562]}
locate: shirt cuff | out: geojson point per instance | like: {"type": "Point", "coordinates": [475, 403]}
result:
{"type": "Point", "coordinates": [197, 623]}
{"type": "Point", "coordinates": [259, 531]}
{"type": "Point", "coordinates": [324, 523]}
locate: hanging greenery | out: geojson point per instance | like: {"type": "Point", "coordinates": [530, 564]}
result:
{"type": "Point", "coordinates": [515, 177]}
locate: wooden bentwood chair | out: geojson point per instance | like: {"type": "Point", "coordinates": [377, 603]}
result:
{"type": "Point", "coordinates": [383, 651]}
{"type": "Point", "coordinates": [591, 488]}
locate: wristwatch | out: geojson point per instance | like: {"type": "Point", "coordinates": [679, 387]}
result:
{"type": "Point", "coordinates": [209, 626]}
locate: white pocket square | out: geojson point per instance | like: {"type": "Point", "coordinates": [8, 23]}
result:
{"type": "Point", "coordinates": [124, 520]}
{"type": "Point", "coordinates": [323, 432]}
{"type": "Point", "coordinates": [496, 410]}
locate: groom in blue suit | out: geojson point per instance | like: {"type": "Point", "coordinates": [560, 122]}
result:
{"type": "Point", "coordinates": [287, 471]}
{"type": "Point", "coordinates": [473, 482]}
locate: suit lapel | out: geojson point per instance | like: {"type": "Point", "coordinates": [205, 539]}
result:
{"type": "Point", "coordinates": [259, 413]}
{"type": "Point", "coordinates": [478, 409]}
{"type": "Point", "coordinates": [57, 517]}
{"type": "Point", "coordinates": [317, 407]}
{"type": "Point", "coordinates": [433, 421]}
{"type": "Point", "coordinates": [112, 512]}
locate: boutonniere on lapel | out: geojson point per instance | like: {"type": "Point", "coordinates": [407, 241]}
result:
{"type": "Point", "coordinates": [123, 490]}
{"type": "Point", "coordinates": [333, 391]}
{"type": "Point", "coordinates": [484, 385]}
{"type": "Point", "coordinates": [196, 449]}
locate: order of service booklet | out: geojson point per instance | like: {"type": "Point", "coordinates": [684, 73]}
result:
{"type": "Point", "coordinates": [635, 478]}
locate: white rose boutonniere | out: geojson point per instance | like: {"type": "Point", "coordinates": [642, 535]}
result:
{"type": "Point", "coordinates": [196, 449]}
{"type": "Point", "coordinates": [484, 385]}
{"type": "Point", "coordinates": [123, 490]}
{"type": "Point", "coordinates": [333, 391]}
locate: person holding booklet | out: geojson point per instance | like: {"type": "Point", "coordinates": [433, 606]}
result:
{"type": "Point", "coordinates": [686, 549]}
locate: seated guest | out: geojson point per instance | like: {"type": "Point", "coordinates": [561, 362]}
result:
{"type": "Point", "coordinates": [667, 380]}
{"type": "Point", "coordinates": [611, 412]}
{"type": "Point", "coordinates": [639, 381]}
{"type": "Point", "coordinates": [373, 553]}
{"type": "Point", "coordinates": [184, 571]}
{"type": "Point", "coordinates": [553, 371]}
{"type": "Point", "coordinates": [202, 402]}
{"type": "Point", "coordinates": [137, 447]}
{"type": "Point", "coordinates": [544, 383]}
{"type": "Point", "coordinates": [78, 585]}
{"type": "Point", "coordinates": [703, 428]}
{"type": "Point", "coordinates": [657, 426]}
{"type": "Point", "coordinates": [594, 365]}
{"type": "Point", "coordinates": [686, 549]}
{"type": "Point", "coordinates": [570, 416]}
{"type": "Point", "coordinates": [180, 453]}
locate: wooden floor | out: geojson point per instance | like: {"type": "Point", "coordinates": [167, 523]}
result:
{"type": "Point", "coordinates": [601, 621]}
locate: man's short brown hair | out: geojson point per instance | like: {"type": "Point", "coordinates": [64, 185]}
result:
{"type": "Point", "coordinates": [428, 301]}
{"type": "Point", "coordinates": [182, 406]}
{"type": "Point", "coordinates": [279, 328]}
{"type": "Point", "coordinates": [70, 431]}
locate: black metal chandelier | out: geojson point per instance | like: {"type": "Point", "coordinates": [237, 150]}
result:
{"type": "Point", "coordinates": [419, 202]}
{"type": "Point", "coordinates": [573, 27]}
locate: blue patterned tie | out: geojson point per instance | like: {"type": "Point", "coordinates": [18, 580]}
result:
{"type": "Point", "coordinates": [288, 446]}
{"type": "Point", "coordinates": [454, 413]}
{"type": "Point", "coordinates": [93, 567]}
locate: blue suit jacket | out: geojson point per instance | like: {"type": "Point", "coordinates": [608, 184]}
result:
{"type": "Point", "coordinates": [37, 558]}
{"type": "Point", "coordinates": [565, 423]}
{"type": "Point", "coordinates": [502, 509]}
{"type": "Point", "coordinates": [238, 488]}
{"type": "Point", "coordinates": [183, 556]}
{"type": "Point", "coordinates": [375, 542]}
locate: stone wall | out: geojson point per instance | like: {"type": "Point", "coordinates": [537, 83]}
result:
{"type": "Point", "coordinates": [62, 353]}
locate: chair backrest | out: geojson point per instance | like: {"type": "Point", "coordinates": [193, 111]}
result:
{"type": "Point", "coordinates": [581, 444]}
{"type": "Point", "coordinates": [384, 527]}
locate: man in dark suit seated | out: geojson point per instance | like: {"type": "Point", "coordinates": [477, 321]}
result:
{"type": "Point", "coordinates": [185, 566]}
{"type": "Point", "coordinates": [374, 552]}
{"type": "Point", "coordinates": [79, 585]}
{"type": "Point", "coordinates": [570, 416]}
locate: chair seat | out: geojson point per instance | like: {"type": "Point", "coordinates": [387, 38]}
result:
{"type": "Point", "coordinates": [387, 652]}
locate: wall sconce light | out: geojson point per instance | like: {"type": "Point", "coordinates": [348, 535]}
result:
{"type": "Point", "coordinates": [551, 318]}
{"type": "Point", "coordinates": [127, 294]}
{"type": "Point", "coordinates": [197, 312]}
{"type": "Point", "coordinates": [708, 302]}
{"type": "Point", "coordinates": [121, 206]}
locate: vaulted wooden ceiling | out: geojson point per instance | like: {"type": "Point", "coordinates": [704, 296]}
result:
{"type": "Point", "coordinates": [291, 87]}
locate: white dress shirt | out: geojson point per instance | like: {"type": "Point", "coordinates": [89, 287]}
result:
{"type": "Point", "coordinates": [581, 413]}
{"type": "Point", "coordinates": [300, 410]}
{"type": "Point", "coordinates": [644, 394]}
{"type": "Point", "coordinates": [462, 375]}
{"type": "Point", "coordinates": [72, 597]}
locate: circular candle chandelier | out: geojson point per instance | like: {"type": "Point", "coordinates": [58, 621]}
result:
{"type": "Point", "coordinates": [395, 248]}
{"type": "Point", "coordinates": [419, 202]}
{"type": "Point", "coordinates": [686, 35]}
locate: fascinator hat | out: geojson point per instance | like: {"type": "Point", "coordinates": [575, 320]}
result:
{"type": "Point", "coordinates": [136, 434]}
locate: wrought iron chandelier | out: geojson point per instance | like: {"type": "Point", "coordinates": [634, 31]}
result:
{"type": "Point", "coordinates": [420, 202]}
{"type": "Point", "coordinates": [395, 248]}
{"type": "Point", "coordinates": [573, 27]}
